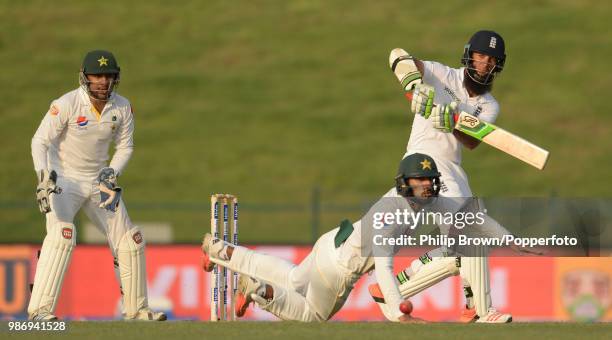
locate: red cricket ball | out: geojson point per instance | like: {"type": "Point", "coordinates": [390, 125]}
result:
{"type": "Point", "coordinates": [406, 307]}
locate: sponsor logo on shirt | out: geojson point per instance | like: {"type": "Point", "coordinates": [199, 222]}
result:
{"type": "Point", "coordinates": [477, 110]}
{"type": "Point", "coordinates": [82, 121]}
{"type": "Point", "coordinates": [443, 187]}
{"type": "Point", "coordinates": [452, 94]}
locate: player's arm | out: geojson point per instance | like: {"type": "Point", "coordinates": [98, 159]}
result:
{"type": "Point", "coordinates": [405, 67]}
{"type": "Point", "coordinates": [110, 192]}
{"type": "Point", "coordinates": [383, 254]}
{"type": "Point", "coordinates": [124, 144]}
{"type": "Point", "coordinates": [408, 70]}
{"type": "Point", "coordinates": [419, 65]}
{"type": "Point", "coordinates": [388, 286]}
{"type": "Point", "coordinates": [51, 127]}
{"type": "Point", "coordinates": [467, 141]}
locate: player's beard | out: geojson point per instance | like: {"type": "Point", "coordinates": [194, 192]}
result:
{"type": "Point", "coordinates": [425, 197]}
{"type": "Point", "coordinates": [474, 87]}
{"type": "Point", "coordinates": [99, 95]}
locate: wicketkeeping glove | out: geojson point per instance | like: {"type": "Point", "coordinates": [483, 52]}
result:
{"type": "Point", "coordinates": [110, 193]}
{"type": "Point", "coordinates": [47, 185]}
{"type": "Point", "coordinates": [422, 100]}
{"type": "Point", "coordinates": [443, 116]}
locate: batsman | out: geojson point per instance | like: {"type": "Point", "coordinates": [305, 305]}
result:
{"type": "Point", "coordinates": [70, 153]}
{"type": "Point", "coordinates": [439, 93]}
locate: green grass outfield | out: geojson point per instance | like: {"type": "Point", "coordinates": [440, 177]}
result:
{"type": "Point", "coordinates": [331, 330]}
{"type": "Point", "coordinates": [269, 99]}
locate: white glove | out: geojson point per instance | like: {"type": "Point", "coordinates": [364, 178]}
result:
{"type": "Point", "coordinates": [443, 116]}
{"type": "Point", "coordinates": [422, 100]}
{"type": "Point", "coordinates": [46, 186]}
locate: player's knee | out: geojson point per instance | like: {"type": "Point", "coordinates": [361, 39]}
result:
{"type": "Point", "coordinates": [132, 241]}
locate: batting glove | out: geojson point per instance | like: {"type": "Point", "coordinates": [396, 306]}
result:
{"type": "Point", "coordinates": [422, 100]}
{"type": "Point", "coordinates": [443, 116]}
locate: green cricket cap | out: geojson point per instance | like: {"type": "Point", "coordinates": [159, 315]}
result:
{"type": "Point", "coordinates": [100, 62]}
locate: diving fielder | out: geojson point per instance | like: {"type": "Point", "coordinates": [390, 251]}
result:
{"type": "Point", "coordinates": [439, 94]}
{"type": "Point", "coordinates": [318, 287]}
{"type": "Point", "coordinates": [70, 152]}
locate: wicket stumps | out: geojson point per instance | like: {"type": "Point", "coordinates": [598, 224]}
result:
{"type": "Point", "coordinates": [219, 276]}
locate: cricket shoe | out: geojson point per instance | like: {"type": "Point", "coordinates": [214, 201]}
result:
{"type": "Point", "coordinates": [212, 246]}
{"type": "Point", "coordinates": [42, 317]}
{"type": "Point", "coordinates": [494, 316]}
{"type": "Point", "coordinates": [468, 315]}
{"type": "Point", "coordinates": [247, 292]}
{"type": "Point", "coordinates": [146, 314]}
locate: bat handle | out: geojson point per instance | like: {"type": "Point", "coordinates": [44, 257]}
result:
{"type": "Point", "coordinates": [408, 96]}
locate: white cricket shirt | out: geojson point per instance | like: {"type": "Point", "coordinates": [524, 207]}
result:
{"type": "Point", "coordinates": [448, 85]}
{"type": "Point", "coordinates": [73, 138]}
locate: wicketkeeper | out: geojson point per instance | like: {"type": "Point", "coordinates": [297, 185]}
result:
{"type": "Point", "coordinates": [70, 152]}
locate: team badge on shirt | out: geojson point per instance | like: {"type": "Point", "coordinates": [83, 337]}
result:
{"type": "Point", "coordinates": [54, 111]}
{"type": "Point", "coordinates": [82, 121]}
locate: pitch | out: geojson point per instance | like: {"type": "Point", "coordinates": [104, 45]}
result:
{"type": "Point", "coordinates": [332, 330]}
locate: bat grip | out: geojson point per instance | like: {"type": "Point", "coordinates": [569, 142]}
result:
{"type": "Point", "coordinates": [408, 96]}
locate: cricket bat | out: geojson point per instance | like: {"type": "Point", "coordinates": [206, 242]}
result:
{"type": "Point", "coordinates": [479, 129]}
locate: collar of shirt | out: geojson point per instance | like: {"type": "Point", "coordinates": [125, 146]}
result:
{"type": "Point", "coordinates": [84, 96]}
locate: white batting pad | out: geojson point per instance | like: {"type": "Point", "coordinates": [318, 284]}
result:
{"type": "Point", "coordinates": [428, 275]}
{"type": "Point", "coordinates": [54, 260]}
{"type": "Point", "coordinates": [132, 270]}
{"type": "Point", "coordinates": [475, 271]}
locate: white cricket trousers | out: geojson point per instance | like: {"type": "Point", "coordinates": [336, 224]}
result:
{"type": "Point", "coordinates": [61, 238]}
{"type": "Point", "coordinates": [77, 194]}
{"type": "Point", "coordinates": [314, 290]}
